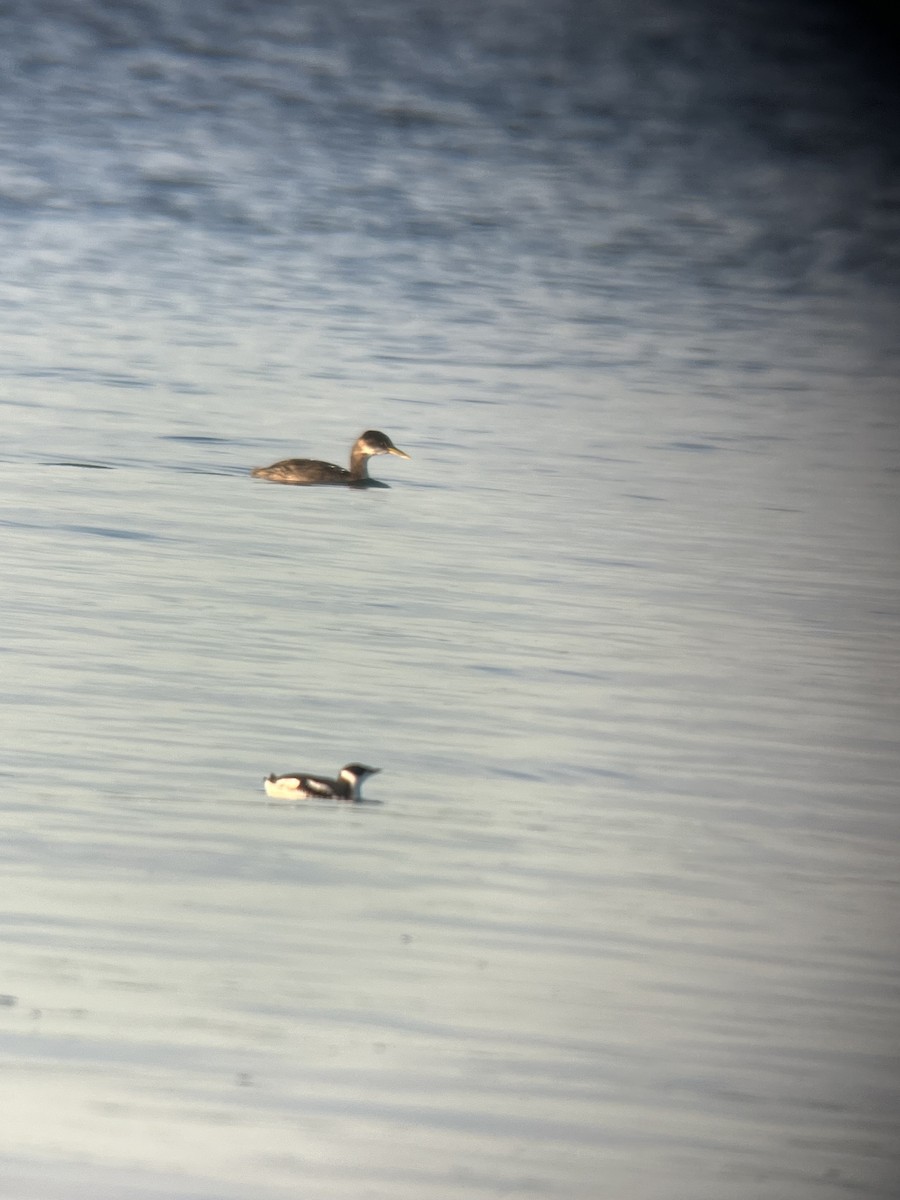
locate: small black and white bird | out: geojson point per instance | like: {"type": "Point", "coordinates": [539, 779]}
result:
{"type": "Point", "coordinates": [296, 786]}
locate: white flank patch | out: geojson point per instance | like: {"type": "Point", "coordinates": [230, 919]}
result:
{"type": "Point", "coordinates": [318, 787]}
{"type": "Point", "coordinates": [283, 789]}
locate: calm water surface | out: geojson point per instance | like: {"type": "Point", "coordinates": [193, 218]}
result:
{"type": "Point", "coordinates": [619, 920]}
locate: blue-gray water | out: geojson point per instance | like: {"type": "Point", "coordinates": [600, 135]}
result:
{"type": "Point", "coordinates": [623, 634]}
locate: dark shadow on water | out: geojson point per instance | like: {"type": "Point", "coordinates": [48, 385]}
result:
{"type": "Point", "coordinates": [197, 439]}
{"type": "Point", "coordinates": [230, 472]}
{"type": "Point", "coordinates": [87, 466]}
{"type": "Point", "coordinates": [131, 535]}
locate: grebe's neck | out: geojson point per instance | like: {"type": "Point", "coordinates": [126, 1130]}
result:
{"type": "Point", "coordinates": [359, 463]}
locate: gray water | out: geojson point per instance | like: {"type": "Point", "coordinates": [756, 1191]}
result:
{"type": "Point", "coordinates": [622, 635]}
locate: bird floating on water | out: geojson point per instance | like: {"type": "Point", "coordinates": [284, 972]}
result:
{"type": "Point", "coordinates": [311, 470]}
{"type": "Point", "coordinates": [297, 786]}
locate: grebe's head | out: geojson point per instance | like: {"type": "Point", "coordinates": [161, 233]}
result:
{"type": "Point", "coordinates": [373, 441]}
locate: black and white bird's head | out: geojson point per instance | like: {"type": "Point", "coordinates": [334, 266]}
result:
{"type": "Point", "coordinates": [354, 774]}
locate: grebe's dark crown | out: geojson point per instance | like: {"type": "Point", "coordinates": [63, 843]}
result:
{"type": "Point", "coordinates": [377, 442]}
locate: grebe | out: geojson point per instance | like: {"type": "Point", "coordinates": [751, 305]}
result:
{"type": "Point", "coordinates": [311, 470]}
{"type": "Point", "coordinates": [316, 787]}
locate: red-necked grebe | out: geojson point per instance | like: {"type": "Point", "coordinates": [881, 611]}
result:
{"type": "Point", "coordinates": [312, 471]}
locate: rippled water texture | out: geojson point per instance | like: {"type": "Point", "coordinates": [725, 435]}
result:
{"type": "Point", "coordinates": [619, 919]}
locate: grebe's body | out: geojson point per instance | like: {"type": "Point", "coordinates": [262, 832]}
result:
{"type": "Point", "coordinates": [307, 471]}
{"type": "Point", "coordinates": [297, 786]}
